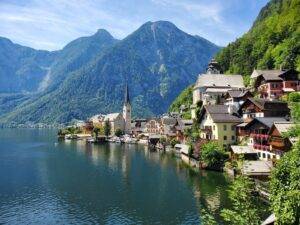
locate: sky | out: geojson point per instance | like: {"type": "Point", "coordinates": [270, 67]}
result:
{"type": "Point", "coordinates": [51, 24]}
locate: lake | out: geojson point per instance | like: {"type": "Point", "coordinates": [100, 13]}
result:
{"type": "Point", "coordinates": [44, 181]}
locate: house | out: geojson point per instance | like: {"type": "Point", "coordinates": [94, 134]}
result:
{"type": "Point", "coordinates": [247, 152]}
{"type": "Point", "coordinates": [154, 126]}
{"type": "Point", "coordinates": [138, 126]}
{"type": "Point", "coordinates": [237, 97]}
{"type": "Point", "coordinates": [211, 88]}
{"type": "Point", "coordinates": [169, 126]}
{"type": "Point", "coordinates": [275, 83]}
{"type": "Point", "coordinates": [259, 129]}
{"type": "Point", "coordinates": [180, 127]}
{"type": "Point", "coordinates": [254, 107]}
{"type": "Point", "coordinates": [277, 141]}
{"type": "Point", "coordinates": [218, 122]}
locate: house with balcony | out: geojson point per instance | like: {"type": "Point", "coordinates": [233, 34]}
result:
{"type": "Point", "coordinates": [258, 107]}
{"type": "Point", "coordinates": [218, 123]}
{"type": "Point", "coordinates": [279, 144]}
{"type": "Point", "coordinates": [275, 83]}
{"type": "Point", "coordinates": [259, 135]}
{"type": "Point", "coordinates": [211, 87]}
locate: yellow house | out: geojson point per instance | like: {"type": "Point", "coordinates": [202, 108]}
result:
{"type": "Point", "coordinates": [218, 122]}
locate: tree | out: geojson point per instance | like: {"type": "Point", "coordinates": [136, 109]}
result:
{"type": "Point", "coordinates": [191, 150]}
{"type": "Point", "coordinates": [118, 132]}
{"type": "Point", "coordinates": [107, 128]}
{"type": "Point", "coordinates": [96, 131]}
{"type": "Point", "coordinates": [244, 210]}
{"type": "Point", "coordinates": [285, 186]}
{"type": "Point", "coordinates": [212, 154]}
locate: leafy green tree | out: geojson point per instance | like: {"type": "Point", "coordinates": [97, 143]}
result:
{"type": "Point", "coordinates": [212, 154]}
{"type": "Point", "coordinates": [285, 186]}
{"type": "Point", "coordinates": [107, 128]}
{"type": "Point", "coordinates": [244, 204]}
{"type": "Point", "coordinates": [118, 132]}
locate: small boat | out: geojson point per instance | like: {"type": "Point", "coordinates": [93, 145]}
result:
{"type": "Point", "coordinates": [90, 140]}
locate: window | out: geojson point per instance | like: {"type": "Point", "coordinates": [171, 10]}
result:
{"type": "Point", "coordinates": [214, 127]}
{"type": "Point", "coordinates": [232, 138]}
{"type": "Point", "coordinates": [225, 127]}
{"type": "Point", "coordinates": [259, 155]}
{"type": "Point", "coordinates": [269, 157]}
{"type": "Point", "coordinates": [264, 155]}
{"type": "Point", "coordinates": [274, 156]}
{"type": "Point", "coordinates": [233, 127]}
{"type": "Point", "coordinates": [225, 138]}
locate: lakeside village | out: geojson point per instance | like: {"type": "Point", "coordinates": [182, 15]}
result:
{"type": "Point", "coordinates": [232, 128]}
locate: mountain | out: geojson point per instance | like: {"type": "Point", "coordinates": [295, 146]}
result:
{"type": "Point", "coordinates": [273, 41]}
{"type": "Point", "coordinates": [21, 68]}
{"type": "Point", "coordinates": [157, 61]}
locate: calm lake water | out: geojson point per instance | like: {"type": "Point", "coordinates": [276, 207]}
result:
{"type": "Point", "coordinates": [43, 181]}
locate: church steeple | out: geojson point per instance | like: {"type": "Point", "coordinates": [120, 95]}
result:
{"type": "Point", "coordinates": [126, 97]}
{"type": "Point", "coordinates": [127, 112]}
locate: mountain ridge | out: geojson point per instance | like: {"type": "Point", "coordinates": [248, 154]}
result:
{"type": "Point", "coordinates": [157, 61]}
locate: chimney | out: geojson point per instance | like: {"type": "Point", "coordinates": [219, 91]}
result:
{"type": "Point", "coordinates": [231, 109]}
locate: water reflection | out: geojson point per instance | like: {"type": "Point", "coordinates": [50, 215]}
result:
{"type": "Point", "coordinates": [75, 182]}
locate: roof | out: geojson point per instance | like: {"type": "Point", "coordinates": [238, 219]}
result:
{"type": "Point", "coordinates": [268, 121]}
{"type": "Point", "coordinates": [169, 120]}
{"type": "Point", "coordinates": [242, 124]}
{"type": "Point", "coordinates": [111, 116]}
{"type": "Point", "coordinates": [182, 148]}
{"type": "Point", "coordinates": [270, 220]}
{"type": "Point", "coordinates": [267, 73]}
{"type": "Point", "coordinates": [217, 90]}
{"type": "Point", "coordinates": [238, 149]}
{"type": "Point", "coordinates": [237, 93]}
{"type": "Point", "coordinates": [219, 80]}
{"type": "Point", "coordinates": [283, 127]}
{"type": "Point", "coordinates": [219, 114]}
{"type": "Point", "coordinates": [266, 104]}
{"type": "Point", "coordinates": [258, 167]}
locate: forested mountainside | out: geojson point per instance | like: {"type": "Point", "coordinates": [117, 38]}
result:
{"type": "Point", "coordinates": [22, 69]}
{"type": "Point", "coordinates": [272, 42]}
{"type": "Point", "coordinates": [157, 61]}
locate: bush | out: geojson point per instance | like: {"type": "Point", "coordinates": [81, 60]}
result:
{"type": "Point", "coordinates": [118, 132]}
{"type": "Point", "coordinates": [294, 97]}
{"type": "Point", "coordinates": [212, 154]}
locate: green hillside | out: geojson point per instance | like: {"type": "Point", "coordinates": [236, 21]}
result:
{"type": "Point", "coordinates": [272, 42]}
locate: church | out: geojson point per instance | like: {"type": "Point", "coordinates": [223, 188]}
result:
{"type": "Point", "coordinates": [117, 121]}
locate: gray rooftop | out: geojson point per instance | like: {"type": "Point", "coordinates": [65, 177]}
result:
{"type": "Point", "coordinates": [219, 80]}
{"type": "Point", "coordinates": [219, 114]}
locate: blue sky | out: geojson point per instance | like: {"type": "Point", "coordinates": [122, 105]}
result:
{"type": "Point", "coordinates": [51, 24]}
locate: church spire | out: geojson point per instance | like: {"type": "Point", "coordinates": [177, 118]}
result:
{"type": "Point", "coordinates": [126, 99]}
